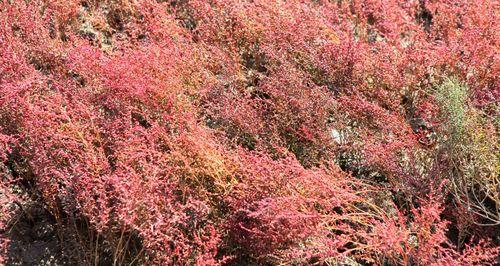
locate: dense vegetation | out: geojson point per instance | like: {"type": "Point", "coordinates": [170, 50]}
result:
{"type": "Point", "coordinates": [254, 132]}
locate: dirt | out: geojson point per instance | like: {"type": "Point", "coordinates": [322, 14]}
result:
{"type": "Point", "coordinates": [34, 239]}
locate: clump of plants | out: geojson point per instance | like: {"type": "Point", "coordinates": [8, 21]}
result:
{"type": "Point", "coordinates": [264, 132]}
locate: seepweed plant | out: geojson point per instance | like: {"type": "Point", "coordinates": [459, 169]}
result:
{"type": "Point", "coordinates": [200, 132]}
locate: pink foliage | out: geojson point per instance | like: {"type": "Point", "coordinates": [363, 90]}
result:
{"type": "Point", "coordinates": [207, 128]}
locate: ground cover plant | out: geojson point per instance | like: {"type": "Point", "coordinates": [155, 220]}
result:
{"type": "Point", "coordinates": [249, 132]}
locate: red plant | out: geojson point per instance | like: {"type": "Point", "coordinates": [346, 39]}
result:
{"type": "Point", "coordinates": [225, 131]}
